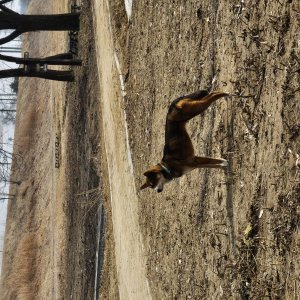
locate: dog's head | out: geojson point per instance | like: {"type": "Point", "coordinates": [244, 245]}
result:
{"type": "Point", "coordinates": [155, 179]}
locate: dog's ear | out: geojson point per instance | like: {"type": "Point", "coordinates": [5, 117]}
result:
{"type": "Point", "coordinates": [145, 185]}
{"type": "Point", "coordinates": [151, 178]}
{"type": "Point", "coordinates": [151, 174]}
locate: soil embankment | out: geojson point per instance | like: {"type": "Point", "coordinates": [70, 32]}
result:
{"type": "Point", "coordinates": [129, 251]}
{"type": "Point", "coordinates": [201, 243]}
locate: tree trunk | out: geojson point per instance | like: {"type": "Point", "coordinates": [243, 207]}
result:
{"type": "Point", "coordinates": [26, 23]}
{"type": "Point", "coordinates": [60, 59]}
{"type": "Point", "coordinates": [49, 74]}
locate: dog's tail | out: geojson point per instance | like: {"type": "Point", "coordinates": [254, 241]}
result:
{"type": "Point", "coordinates": [216, 95]}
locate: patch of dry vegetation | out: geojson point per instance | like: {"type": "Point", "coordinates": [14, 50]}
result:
{"type": "Point", "coordinates": [22, 281]}
{"type": "Point", "coordinates": [26, 129]}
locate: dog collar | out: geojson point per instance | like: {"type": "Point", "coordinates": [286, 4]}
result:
{"type": "Point", "coordinates": [166, 172]}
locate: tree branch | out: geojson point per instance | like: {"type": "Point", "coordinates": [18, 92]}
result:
{"type": "Point", "coordinates": [49, 74]}
{"type": "Point", "coordinates": [10, 37]}
{"type": "Point", "coordinates": [67, 55]}
{"type": "Point", "coordinates": [6, 9]}
{"type": "Point", "coordinates": [5, 1]}
{"type": "Point", "coordinates": [7, 110]}
{"type": "Point", "coordinates": [50, 60]}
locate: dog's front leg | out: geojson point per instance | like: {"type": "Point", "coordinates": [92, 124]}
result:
{"type": "Point", "coordinates": [209, 162]}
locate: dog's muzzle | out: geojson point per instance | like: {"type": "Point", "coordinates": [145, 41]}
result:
{"type": "Point", "coordinates": [159, 190]}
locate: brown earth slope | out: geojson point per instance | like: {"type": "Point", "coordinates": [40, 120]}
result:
{"type": "Point", "coordinates": [52, 230]}
{"type": "Point", "coordinates": [212, 235]}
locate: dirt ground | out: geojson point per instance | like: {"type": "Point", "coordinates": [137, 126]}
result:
{"type": "Point", "coordinates": [211, 234]}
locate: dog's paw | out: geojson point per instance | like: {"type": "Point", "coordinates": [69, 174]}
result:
{"type": "Point", "coordinates": [224, 164]}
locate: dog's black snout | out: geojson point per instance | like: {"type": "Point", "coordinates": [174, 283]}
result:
{"type": "Point", "coordinates": [159, 190]}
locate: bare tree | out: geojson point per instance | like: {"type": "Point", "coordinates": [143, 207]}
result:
{"type": "Point", "coordinates": [6, 158]}
{"type": "Point", "coordinates": [63, 59]}
{"type": "Point", "coordinates": [38, 67]}
{"type": "Point", "coordinates": [39, 73]}
{"type": "Point", "coordinates": [20, 24]}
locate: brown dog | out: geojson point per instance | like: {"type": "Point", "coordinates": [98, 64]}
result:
{"type": "Point", "coordinates": [179, 158]}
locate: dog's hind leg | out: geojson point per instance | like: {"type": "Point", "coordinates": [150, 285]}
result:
{"type": "Point", "coordinates": [209, 162]}
{"type": "Point", "coordinates": [187, 108]}
{"type": "Point", "coordinates": [187, 105]}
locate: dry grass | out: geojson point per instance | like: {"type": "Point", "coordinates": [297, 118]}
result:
{"type": "Point", "coordinates": [26, 130]}
{"type": "Point", "coordinates": [20, 283]}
